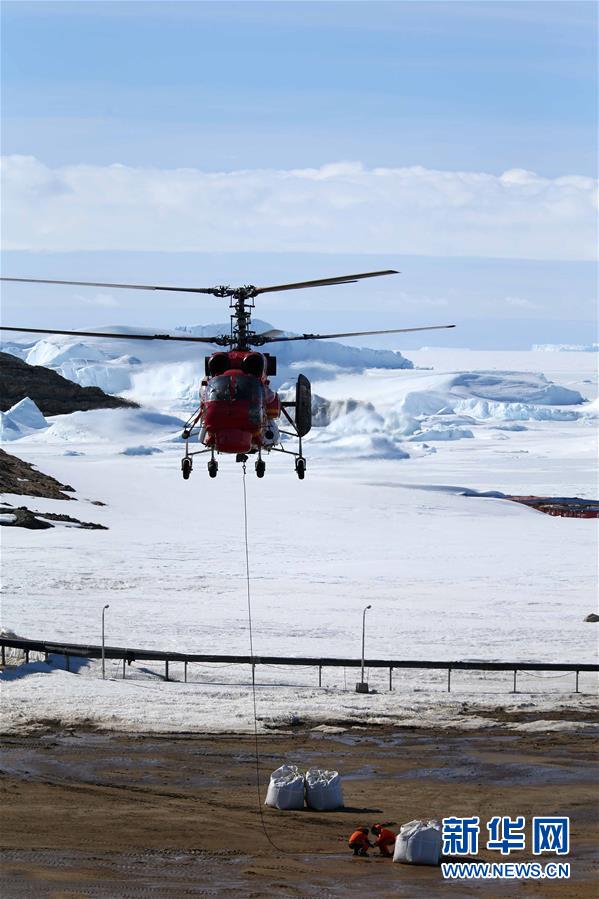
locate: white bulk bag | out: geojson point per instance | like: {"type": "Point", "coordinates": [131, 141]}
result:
{"type": "Point", "coordinates": [418, 843]}
{"type": "Point", "coordinates": [323, 790]}
{"type": "Point", "coordinates": [286, 788]}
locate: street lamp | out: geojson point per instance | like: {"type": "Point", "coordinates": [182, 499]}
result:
{"type": "Point", "coordinates": [103, 652]}
{"type": "Point", "coordinates": [362, 686]}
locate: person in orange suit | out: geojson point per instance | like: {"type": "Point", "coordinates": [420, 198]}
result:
{"type": "Point", "coordinates": [359, 841]}
{"type": "Point", "coordinates": [385, 840]}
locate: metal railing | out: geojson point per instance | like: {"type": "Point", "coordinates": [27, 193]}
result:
{"type": "Point", "coordinates": [129, 654]}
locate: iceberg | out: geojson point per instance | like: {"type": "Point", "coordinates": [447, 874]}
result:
{"type": "Point", "coordinates": [566, 347]}
{"type": "Point", "coordinates": [53, 354]}
{"type": "Point", "coordinates": [422, 409]}
{"type": "Point", "coordinates": [513, 387]}
{"type": "Point", "coordinates": [20, 420]}
{"type": "Point", "coordinates": [140, 451]}
{"type": "Point", "coordinates": [27, 415]}
{"type": "Point", "coordinates": [9, 430]}
{"type": "Point", "coordinates": [442, 432]}
{"type": "Point", "coordinates": [169, 374]}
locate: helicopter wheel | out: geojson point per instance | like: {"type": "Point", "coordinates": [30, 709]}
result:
{"type": "Point", "coordinates": [186, 466]}
{"type": "Point", "coordinates": [260, 468]}
{"type": "Point", "coordinates": [300, 468]}
{"type": "Point", "coordinates": [212, 468]}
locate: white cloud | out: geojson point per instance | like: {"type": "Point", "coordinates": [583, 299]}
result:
{"type": "Point", "coordinates": [338, 208]}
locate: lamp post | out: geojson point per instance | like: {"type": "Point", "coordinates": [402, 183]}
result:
{"type": "Point", "coordinates": [103, 653]}
{"type": "Point", "coordinates": [362, 686]}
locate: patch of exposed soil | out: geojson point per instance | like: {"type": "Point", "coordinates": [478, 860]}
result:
{"type": "Point", "coordinates": [563, 506]}
{"type": "Point", "coordinates": [516, 716]}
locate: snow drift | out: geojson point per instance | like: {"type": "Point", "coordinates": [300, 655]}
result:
{"type": "Point", "coordinates": [110, 426]}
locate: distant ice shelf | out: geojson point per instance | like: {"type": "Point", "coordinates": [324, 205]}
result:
{"type": "Point", "coordinates": [566, 347]}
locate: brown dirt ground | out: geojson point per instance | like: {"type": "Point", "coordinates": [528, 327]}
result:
{"type": "Point", "coordinates": [88, 814]}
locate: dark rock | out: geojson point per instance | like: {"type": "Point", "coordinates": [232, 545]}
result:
{"type": "Point", "coordinates": [28, 518]}
{"type": "Point", "coordinates": [88, 525]}
{"type": "Point", "coordinates": [51, 393]}
{"type": "Point", "coordinates": [24, 518]}
{"type": "Point", "coordinates": [592, 617]}
{"type": "Point", "coordinates": [17, 476]}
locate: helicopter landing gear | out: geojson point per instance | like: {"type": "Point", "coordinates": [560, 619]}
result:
{"type": "Point", "coordinates": [300, 468]}
{"type": "Point", "coordinates": [213, 468]}
{"type": "Point", "coordinates": [260, 468]}
{"type": "Point", "coordinates": [186, 466]}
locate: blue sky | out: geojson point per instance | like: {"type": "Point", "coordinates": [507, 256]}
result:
{"type": "Point", "coordinates": [489, 86]}
{"type": "Point", "coordinates": [458, 90]}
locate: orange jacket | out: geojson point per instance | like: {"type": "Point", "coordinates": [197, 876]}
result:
{"type": "Point", "coordinates": [360, 838]}
{"type": "Point", "coordinates": [385, 837]}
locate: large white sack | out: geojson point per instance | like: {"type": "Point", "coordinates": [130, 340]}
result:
{"type": "Point", "coordinates": [323, 789]}
{"type": "Point", "coordinates": [418, 843]}
{"type": "Point", "coordinates": [286, 788]}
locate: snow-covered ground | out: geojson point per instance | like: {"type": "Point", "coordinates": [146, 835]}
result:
{"type": "Point", "coordinates": [380, 520]}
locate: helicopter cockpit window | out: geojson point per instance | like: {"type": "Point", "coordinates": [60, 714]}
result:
{"type": "Point", "coordinates": [247, 388]}
{"type": "Point", "coordinates": [219, 388]}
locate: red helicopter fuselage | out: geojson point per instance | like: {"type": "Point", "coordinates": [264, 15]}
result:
{"type": "Point", "coordinates": [237, 406]}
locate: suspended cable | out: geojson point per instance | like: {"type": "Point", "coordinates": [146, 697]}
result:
{"type": "Point", "coordinates": [251, 636]}
{"type": "Point", "coordinates": [543, 676]}
{"type": "Point", "coordinates": [278, 848]}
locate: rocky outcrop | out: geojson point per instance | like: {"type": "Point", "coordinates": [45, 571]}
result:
{"type": "Point", "coordinates": [22, 517]}
{"type": "Point", "coordinates": [51, 393]}
{"type": "Point", "coordinates": [17, 476]}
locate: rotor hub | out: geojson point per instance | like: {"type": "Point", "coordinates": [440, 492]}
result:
{"type": "Point", "coordinates": [247, 292]}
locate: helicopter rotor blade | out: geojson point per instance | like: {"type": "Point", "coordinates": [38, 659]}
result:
{"type": "Point", "coordinates": [323, 282]}
{"type": "Point", "coordinates": [212, 290]}
{"type": "Point", "coordinates": [220, 291]}
{"type": "Point", "coordinates": [356, 333]}
{"type": "Point", "coordinates": [220, 340]}
{"type": "Point", "coordinates": [271, 334]}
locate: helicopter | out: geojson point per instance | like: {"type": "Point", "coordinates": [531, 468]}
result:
{"type": "Point", "coordinates": [239, 412]}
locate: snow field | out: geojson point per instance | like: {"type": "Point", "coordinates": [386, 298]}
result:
{"type": "Point", "coordinates": [222, 702]}
{"type": "Point", "coordinates": [448, 576]}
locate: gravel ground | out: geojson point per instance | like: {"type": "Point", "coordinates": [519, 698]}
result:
{"type": "Point", "coordinates": [90, 814]}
